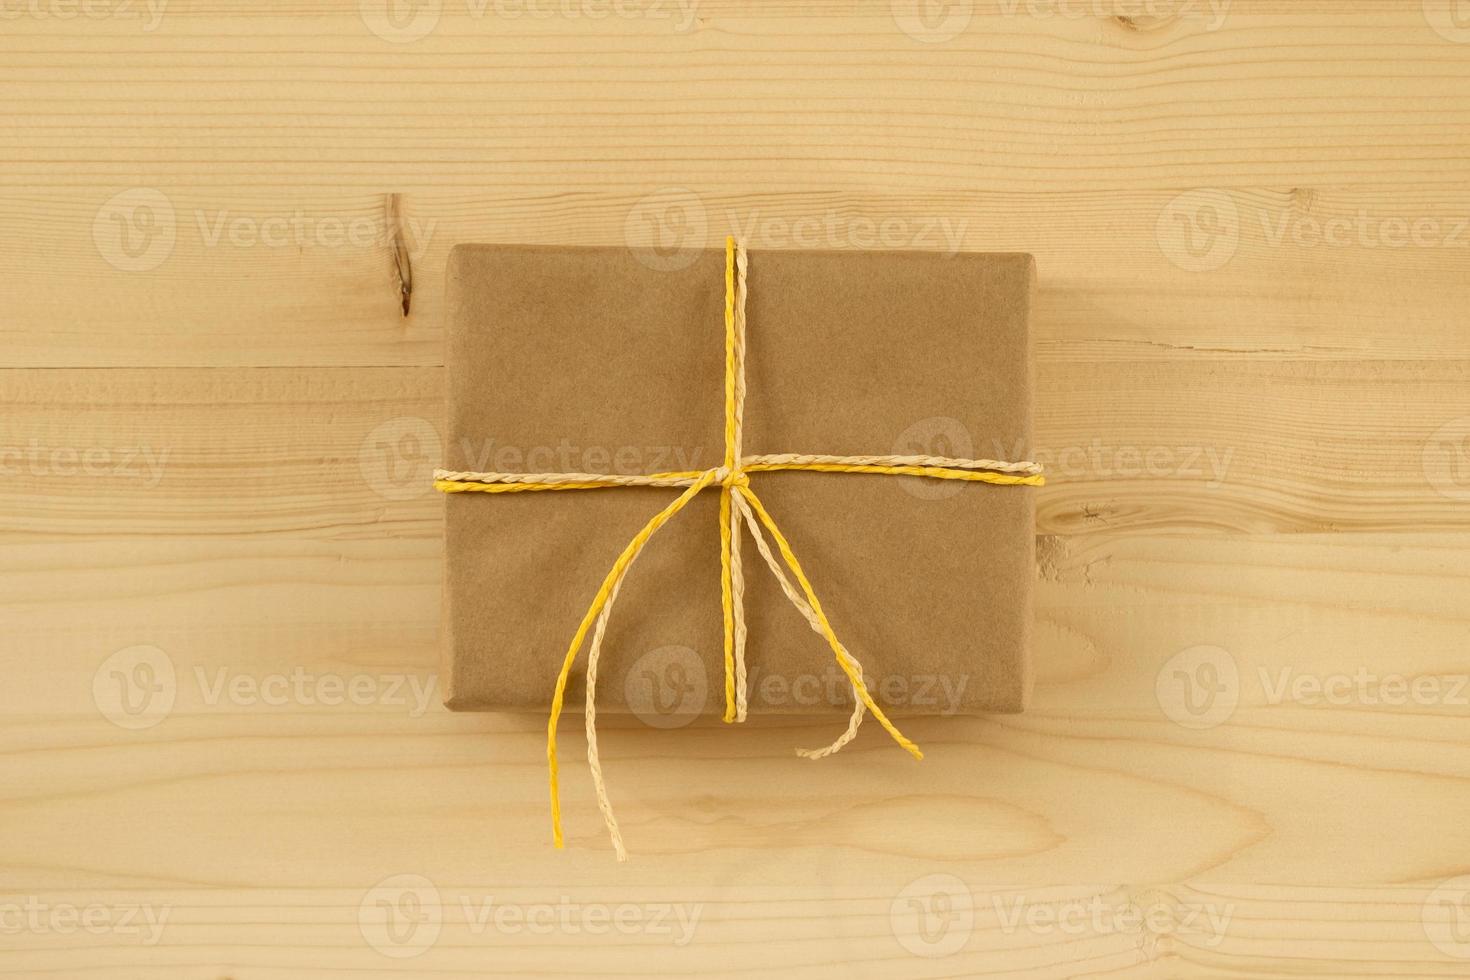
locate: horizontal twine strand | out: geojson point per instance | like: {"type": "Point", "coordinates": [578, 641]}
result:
{"type": "Point", "coordinates": [937, 467]}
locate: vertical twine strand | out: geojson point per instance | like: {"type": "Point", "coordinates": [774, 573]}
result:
{"type": "Point", "coordinates": [727, 541]}
{"type": "Point", "coordinates": [736, 451]}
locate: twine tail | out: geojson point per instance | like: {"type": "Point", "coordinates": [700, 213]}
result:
{"type": "Point", "coordinates": [732, 604]}
{"type": "Point", "coordinates": [594, 758]}
{"type": "Point", "coordinates": [737, 598]}
{"type": "Point", "coordinates": [742, 510]}
{"type": "Point", "coordinates": [854, 721]}
{"type": "Point", "coordinates": [609, 583]}
{"type": "Point", "coordinates": [854, 675]}
{"type": "Point", "coordinates": [727, 600]}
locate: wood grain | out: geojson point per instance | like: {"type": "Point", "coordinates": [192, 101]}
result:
{"type": "Point", "coordinates": [1246, 752]}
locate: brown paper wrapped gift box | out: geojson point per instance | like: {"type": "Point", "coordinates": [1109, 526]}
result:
{"type": "Point", "coordinates": [598, 360]}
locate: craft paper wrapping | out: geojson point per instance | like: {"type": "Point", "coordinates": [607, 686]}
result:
{"type": "Point", "coordinates": [606, 360]}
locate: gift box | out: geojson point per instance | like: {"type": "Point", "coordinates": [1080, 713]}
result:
{"type": "Point", "coordinates": [613, 361]}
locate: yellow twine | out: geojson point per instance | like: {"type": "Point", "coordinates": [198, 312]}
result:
{"type": "Point", "coordinates": [732, 479]}
{"type": "Point", "coordinates": [685, 478]}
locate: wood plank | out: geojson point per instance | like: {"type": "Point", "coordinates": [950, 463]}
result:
{"type": "Point", "coordinates": [1041, 932]}
{"type": "Point", "coordinates": [259, 95]}
{"type": "Point", "coordinates": [142, 275]}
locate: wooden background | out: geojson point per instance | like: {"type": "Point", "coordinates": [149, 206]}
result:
{"type": "Point", "coordinates": [1252, 222]}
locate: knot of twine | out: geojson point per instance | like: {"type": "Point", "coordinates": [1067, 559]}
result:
{"type": "Point", "coordinates": [739, 507]}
